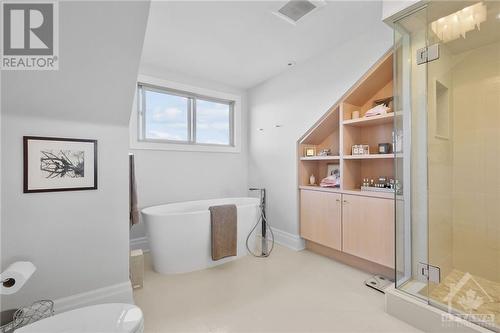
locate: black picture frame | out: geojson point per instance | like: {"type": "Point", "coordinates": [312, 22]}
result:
{"type": "Point", "coordinates": [26, 164]}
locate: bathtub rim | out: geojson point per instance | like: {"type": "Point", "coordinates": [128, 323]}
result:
{"type": "Point", "coordinates": [149, 211]}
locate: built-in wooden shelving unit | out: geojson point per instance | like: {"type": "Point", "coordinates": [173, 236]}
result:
{"type": "Point", "coordinates": [338, 132]}
{"type": "Point", "coordinates": [334, 220]}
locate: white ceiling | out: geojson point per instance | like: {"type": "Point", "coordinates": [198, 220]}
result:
{"type": "Point", "coordinates": [241, 43]}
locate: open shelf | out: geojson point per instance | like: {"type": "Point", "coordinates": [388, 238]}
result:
{"type": "Point", "coordinates": [368, 157]}
{"type": "Point", "coordinates": [321, 158]}
{"type": "Point", "coordinates": [316, 167]}
{"type": "Point", "coordinates": [369, 135]}
{"type": "Point", "coordinates": [370, 121]}
{"type": "Point", "coordinates": [354, 170]}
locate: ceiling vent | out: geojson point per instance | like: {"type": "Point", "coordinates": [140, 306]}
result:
{"type": "Point", "coordinates": [294, 10]}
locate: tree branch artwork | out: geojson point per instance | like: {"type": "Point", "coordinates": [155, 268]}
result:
{"type": "Point", "coordinates": [65, 163]}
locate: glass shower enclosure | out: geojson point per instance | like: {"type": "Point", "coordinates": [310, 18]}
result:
{"type": "Point", "coordinates": [447, 146]}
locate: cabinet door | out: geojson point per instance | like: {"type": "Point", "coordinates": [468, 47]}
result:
{"type": "Point", "coordinates": [320, 218]}
{"type": "Point", "coordinates": [368, 228]}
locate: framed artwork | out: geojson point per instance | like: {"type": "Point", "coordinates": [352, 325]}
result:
{"type": "Point", "coordinates": [59, 164]}
{"type": "Point", "coordinates": [309, 151]}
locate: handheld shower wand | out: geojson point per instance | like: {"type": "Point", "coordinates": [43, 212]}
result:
{"type": "Point", "coordinates": [265, 252]}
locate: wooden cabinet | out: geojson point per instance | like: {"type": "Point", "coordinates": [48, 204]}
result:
{"type": "Point", "coordinates": [321, 218]}
{"type": "Point", "coordinates": [368, 228]}
{"type": "Point", "coordinates": [359, 231]}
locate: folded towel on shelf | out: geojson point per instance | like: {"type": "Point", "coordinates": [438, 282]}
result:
{"type": "Point", "coordinates": [377, 110]}
{"type": "Point", "coordinates": [330, 181]}
{"type": "Point", "coordinates": [223, 221]}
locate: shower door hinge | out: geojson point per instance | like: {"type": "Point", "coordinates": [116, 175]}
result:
{"type": "Point", "coordinates": [428, 273]}
{"type": "Point", "coordinates": [427, 54]}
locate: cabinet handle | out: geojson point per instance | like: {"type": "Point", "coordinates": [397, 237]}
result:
{"type": "Point", "coordinates": [345, 201]}
{"type": "Point", "coordinates": [338, 200]}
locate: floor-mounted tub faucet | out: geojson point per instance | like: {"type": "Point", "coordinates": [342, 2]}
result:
{"type": "Point", "coordinates": [265, 225]}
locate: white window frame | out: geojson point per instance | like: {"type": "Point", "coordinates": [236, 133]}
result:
{"type": "Point", "coordinates": [138, 141]}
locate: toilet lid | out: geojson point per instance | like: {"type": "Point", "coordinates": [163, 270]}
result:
{"type": "Point", "coordinates": [102, 318]}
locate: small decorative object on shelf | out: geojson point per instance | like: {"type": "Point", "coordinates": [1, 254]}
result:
{"type": "Point", "coordinates": [387, 102]}
{"type": "Point", "coordinates": [380, 107]}
{"type": "Point", "coordinates": [384, 148]}
{"type": "Point", "coordinates": [333, 176]}
{"type": "Point", "coordinates": [312, 180]}
{"type": "Point", "coordinates": [325, 152]}
{"type": "Point", "coordinates": [310, 151]}
{"type": "Point", "coordinates": [361, 150]}
{"type": "Point", "coordinates": [355, 115]}
{"type": "Point", "coordinates": [377, 189]}
{"type": "Point", "coordinates": [383, 185]}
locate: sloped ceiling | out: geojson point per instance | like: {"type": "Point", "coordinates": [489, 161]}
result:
{"type": "Point", "coordinates": [242, 43]}
{"type": "Point", "coordinates": [100, 45]}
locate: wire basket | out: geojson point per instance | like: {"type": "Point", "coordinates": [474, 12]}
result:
{"type": "Point", "coordinates": [29, 314]}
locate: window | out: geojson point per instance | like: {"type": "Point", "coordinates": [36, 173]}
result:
{"type": "Point", "coordinates": [180, 117]}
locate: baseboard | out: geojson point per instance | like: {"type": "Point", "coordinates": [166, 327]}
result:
{"type": "Point", "coordinates": [345, 258]}
{"type": "Point", "coordinates": [117, 293]}
{"type": "Point", "coordinates": [139, 243]}
{"type": "Point", "coordinates": [293, 242]}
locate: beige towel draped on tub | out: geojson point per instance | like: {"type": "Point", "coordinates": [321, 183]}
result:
{"type": "Point", "coordinates": [223, 220]}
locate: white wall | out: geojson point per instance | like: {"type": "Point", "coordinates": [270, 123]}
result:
{"type": "Point", "coordinates": [296, 100]}
{"type": "Point", "coordinates": [392, 7]}
{"type": "Point", "coordinates": [78, 240]}
{"type": "Point", "coordinates": [171, 176]}
{"type": "Point", "coordinates": [69, 236]}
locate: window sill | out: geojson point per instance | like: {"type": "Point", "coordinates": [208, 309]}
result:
{"type": "Point", "coordinates": [148, 145]}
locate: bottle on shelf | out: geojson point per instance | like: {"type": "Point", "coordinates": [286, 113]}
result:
{"type": "Point", "coordinates": [312, 180]}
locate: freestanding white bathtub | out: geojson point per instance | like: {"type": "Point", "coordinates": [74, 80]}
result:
{"type": "Point", "coordinates": [179, 233]}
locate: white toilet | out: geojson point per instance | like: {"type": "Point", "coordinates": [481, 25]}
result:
{"type": "Point", "coordinates": [102, 318]}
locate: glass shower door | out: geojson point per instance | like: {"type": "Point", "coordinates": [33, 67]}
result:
{"type": "Point", "coordinates": [447, 130]}
{"type": "Point", "coordinates": [463, 159]}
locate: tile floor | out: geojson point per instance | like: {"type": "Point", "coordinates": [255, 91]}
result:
{"type": "Point", "coordinates": [287, 292]}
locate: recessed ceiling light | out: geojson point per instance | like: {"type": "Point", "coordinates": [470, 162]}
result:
{"type": "Point", "coordinates": [498, 16]}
